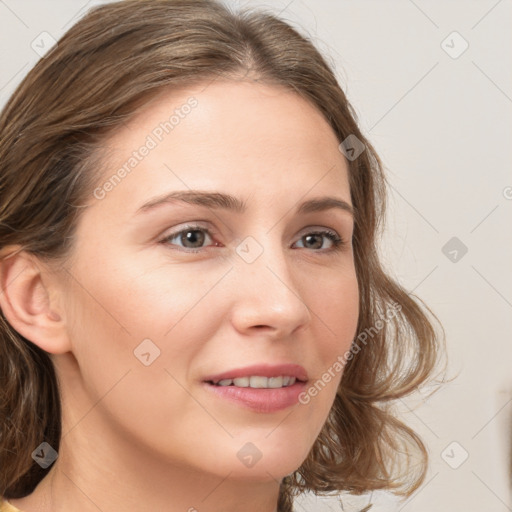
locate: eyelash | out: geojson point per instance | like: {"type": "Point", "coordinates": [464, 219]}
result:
{"type": "Point", "coordinates": [336, 240]}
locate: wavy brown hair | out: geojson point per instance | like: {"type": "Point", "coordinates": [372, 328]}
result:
{"type": "Point", "coordinates": [102, 71]}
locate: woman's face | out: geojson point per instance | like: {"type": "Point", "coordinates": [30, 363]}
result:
{"type": "Point", "coordinates": [167, 293]}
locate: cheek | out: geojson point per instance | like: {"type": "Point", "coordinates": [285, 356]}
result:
{"type": "Point", "coordinates": [336, 312]}
{"type": "Point", "coordinates": [133, 300]}
{"type": "Point", "coordinates": [335, 309]}
{"type": "Point", "coordinates": [135, 336]}
{"type": "Point", "coordinates": [123, 315]}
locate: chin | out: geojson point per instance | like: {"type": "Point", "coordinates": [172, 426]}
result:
{"type": "Point", "coordinates": [271, 470]}
{"type": "Point", "coordinates": [268, 462]}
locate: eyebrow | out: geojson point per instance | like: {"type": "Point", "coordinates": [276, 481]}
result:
{"type": "Point", "coordinates": [220, 200]}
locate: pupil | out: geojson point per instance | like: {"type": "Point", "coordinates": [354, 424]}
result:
{"type": "Point", "coordinates": [308, 239]}
{"type": "Point", "coordinates": [192, 237]}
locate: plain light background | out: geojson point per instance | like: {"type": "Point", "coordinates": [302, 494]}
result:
{"type": "Point", "coordinates": [440, 118]}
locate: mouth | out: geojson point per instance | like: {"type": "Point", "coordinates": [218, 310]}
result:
{"type": "Point", "coordinates": [261, 388]}
{"type": "Point", "coordinates": [261, 376]}
{"type": "Point", "coordinates": [258, 382]}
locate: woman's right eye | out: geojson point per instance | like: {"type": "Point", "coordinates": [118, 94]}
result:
{"type": "Point", "coordinates": [192, 237]}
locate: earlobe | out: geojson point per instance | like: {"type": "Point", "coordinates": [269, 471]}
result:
{"type": "Point", "coordinates": [25, 301]}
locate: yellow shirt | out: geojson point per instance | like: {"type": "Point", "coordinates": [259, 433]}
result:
{"type": "Point", "coordinates": [7, 507]}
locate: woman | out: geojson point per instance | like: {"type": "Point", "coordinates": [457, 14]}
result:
{"type": "Point", "coordinates": [194, 316]}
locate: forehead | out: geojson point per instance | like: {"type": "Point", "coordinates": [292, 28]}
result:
{"type": "Point", "coordinates": [242, 137]}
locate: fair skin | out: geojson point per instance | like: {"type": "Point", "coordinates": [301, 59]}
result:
{"type": "Point", "coordinates": [154, 434]}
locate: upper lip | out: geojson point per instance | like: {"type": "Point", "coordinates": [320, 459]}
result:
{"type": "Point", "coordinates": [262, 370]}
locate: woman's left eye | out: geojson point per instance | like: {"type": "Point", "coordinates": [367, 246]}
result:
{"type": "Point", "coordinates": [336, 241]}
{"type": "Point", "coordinates": [193, 238]}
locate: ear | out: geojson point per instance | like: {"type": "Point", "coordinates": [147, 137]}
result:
{"type": "Point", "coordinates": [29, 300]}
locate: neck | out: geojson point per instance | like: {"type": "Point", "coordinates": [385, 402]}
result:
{"type": "Point", "coordinates": [104, 474]}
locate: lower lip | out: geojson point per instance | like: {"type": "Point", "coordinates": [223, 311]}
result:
{"type": "Point", "coordinates": [260, 400]}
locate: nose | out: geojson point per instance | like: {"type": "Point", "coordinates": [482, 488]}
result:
{"type": "Point", "coordinates": [267, 298]}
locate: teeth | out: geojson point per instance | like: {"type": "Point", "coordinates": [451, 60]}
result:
{"type": "Point", "coordinates": [275, 382]}
{"type": "Point", "coordinates": [259, 382]}
{"type": "Point", "coordinates": [241, 382]}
